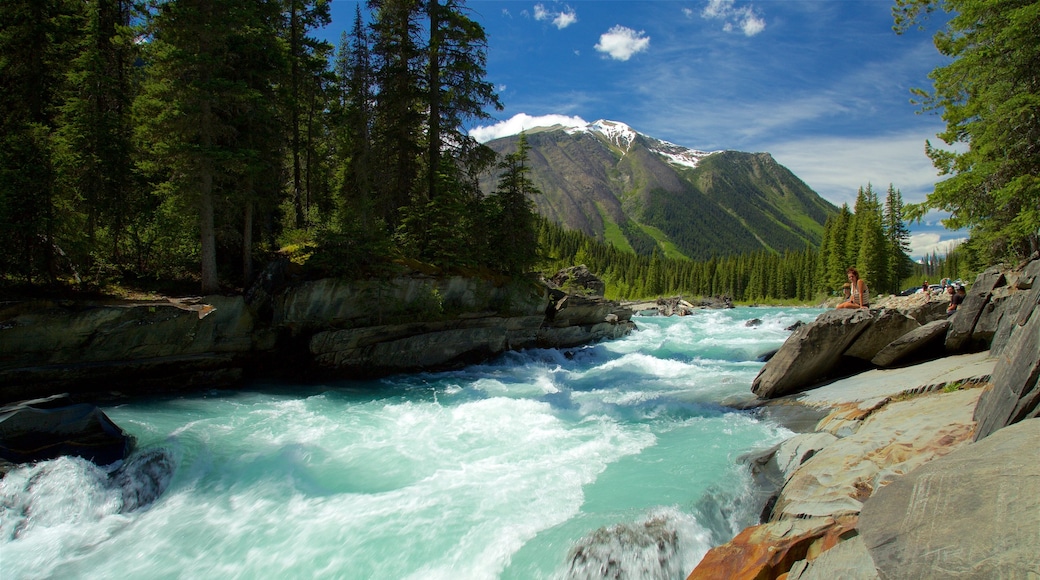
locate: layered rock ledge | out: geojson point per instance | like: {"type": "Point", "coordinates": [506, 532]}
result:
{"type": "Point", "coordinates": [319, 329]}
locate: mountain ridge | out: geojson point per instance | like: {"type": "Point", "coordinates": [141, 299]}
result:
{"type": "Point", "coordinates": [644, 194]}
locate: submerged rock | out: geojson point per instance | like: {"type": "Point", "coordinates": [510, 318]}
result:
{"type": "Point", "coordinates": [144, 478]}
{"type": "Point", "coordinates": [647, 550]}
{"type": "Point", "coordinates": [48, 428]}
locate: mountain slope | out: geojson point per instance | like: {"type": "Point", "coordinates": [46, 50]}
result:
{"type": "Point", "coordinates": [642, 193]}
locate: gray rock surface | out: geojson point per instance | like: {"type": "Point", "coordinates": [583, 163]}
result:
{"type": "Point", "coordinates": [890, 442]}
{"type": "Point", "coordinates": [888, 325]}
{"type": "Point", "coordinates": [810, 353]}
{"type": "Point", "coordinates": [1015, 394]}
{"type": "Point", "coordinates": [962, 324]}
{"type": "Point", "coordinates": [849, 560]}
{"type": "Point", "coordinates": [906, 345]}
{"type": "Point", "coordinates": [974, 513]}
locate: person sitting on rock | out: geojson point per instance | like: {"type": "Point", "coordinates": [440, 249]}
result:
{"type": "Point", "coordinates": [956, 299]}
{"type": "Point", "coordinates": [859, 295]}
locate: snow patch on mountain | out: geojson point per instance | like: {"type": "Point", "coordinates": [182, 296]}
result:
{"type": "Point", "coordinates": [616, 132]}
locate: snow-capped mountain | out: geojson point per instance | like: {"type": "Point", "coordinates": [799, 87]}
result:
{"type": "Point", "coordinates": [645, 194]}
{"type": "Point", "coordinates": [623, 136]}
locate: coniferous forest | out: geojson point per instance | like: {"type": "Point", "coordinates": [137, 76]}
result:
{"type": "Point", "coordinates": [189, 141]}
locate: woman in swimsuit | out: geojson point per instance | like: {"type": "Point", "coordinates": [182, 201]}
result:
{"type": "Point", "coordinates": [859, 297]}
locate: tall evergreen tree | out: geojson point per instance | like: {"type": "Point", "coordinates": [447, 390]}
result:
{"type": "Point", "coordinates": [308, 57]}
{"type": "Point", "coordinates": [37, 42]}
{"type": "Point", "coordinates": [397, 120]}
{"type": "Point", "coordinates": [95, 136]}
{"type": "Point", "coordinates": [897, 239]}
{"type": "Point", "coordinates": [512, 218]}
{"type": "Point", "coordinates": [357, 190]}
{"type": "Point", "coordinates": [197, 96]}
{"type": "Point", "coordinates": [989, 97]}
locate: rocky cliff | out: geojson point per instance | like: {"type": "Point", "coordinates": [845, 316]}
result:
{"type": "Point", "coordinates": [320, 328]}
{"type": "Point", "coordinates": [926, 470]}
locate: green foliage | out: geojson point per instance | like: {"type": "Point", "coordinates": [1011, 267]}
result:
{"type": "Point", "coordinates": [989, 97]}
{"type": "Point", "coordinates": [744, 278]}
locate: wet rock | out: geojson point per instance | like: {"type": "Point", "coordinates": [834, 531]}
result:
{"type": "Point", "coordinates": [144, 478]}
{"type": "Point", "coordinates": [647, 550]}
{"type": "Point", "coordinates": [49, 428]}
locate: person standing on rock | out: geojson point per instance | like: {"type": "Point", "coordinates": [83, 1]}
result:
{"type": "Point", "coordinates": [859, 295]}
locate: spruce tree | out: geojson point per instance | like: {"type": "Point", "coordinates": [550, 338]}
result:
{"type": "Point", "coordinates": [897, 239]}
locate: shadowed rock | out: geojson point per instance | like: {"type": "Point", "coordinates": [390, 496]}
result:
{"type": "Point", "coordinates": [905, 346]}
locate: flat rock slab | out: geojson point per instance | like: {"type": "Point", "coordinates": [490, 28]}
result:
{"type": "Point", "coordinates": [877, 383]}
{"type": "Point", "coordinates": [892, 442]}
{"type": "Point", "coordinates": [974, 513]}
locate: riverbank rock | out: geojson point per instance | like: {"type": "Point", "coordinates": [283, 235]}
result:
{"type": "Point", "coordinates": [578, 280]}
{"type": "Point", "coordinates": [290, 328]}
{"type": "Point", "coordinates": [929, 336]}
{"type": "Point", "coordinates": [77, 347]}
{"type": "Point", "coordinates": [906, 329]}
{"type": "Point", "coordinates": [877, 426]}
{"type": "Point", "coordinates": [811, 353]}
{"type": "Point", "coordinates": [45, 429]}
{"type": "Point", "coordinates": [974, 513]}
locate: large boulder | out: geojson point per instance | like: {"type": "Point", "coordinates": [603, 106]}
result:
{"type": "Point", "coordinates": [888, 325]}
{"type": "Point", "coordinates": [974, 513]}
{"type": "Point", "coordinates": [1015, 394]}
{"type": "Point", "coordinates": [49, 428]}
{"type": "Point", "coordinates": [811, 353]}
{"type": "Point", "coordinates": [962, 325]}
{"type": "Point", "coordinates": [918, 339]}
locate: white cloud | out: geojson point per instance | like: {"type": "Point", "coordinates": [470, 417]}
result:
{"type": "Point", "coordinates": [565, 19]}
{"type": "Point", "coordinates": [717, 8]}
{"type": "Point", "coordinates": [745, 19]}
{"type": "Point", "coordinates": [925, 244]}
{"type": "Point", "coordinates": [751, 24]}
{"type": "Point", "coordinates": [522, 122]}
{"type": "Point", "coordinates": [620, 42]}
{"type": "Point", "coordinates": [560, 20]}
{"type": "Point", "coordinates": [835, 167]}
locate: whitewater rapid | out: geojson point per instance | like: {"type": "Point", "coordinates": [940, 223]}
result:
{"type": "Point", "coordinates": [617, 458]}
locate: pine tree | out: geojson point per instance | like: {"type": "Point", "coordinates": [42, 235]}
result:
{"type": "Point", "coordinates": [512, 218]}
{"type": "Point", "coordinates": [37, 40]}
{"type": "Point", "coordinates": [397, 114]}
{"type": "Point", "coordinates": [897, 240]}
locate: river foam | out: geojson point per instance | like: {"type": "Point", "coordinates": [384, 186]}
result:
{"type": "Point", "coordinates": [540, 464]}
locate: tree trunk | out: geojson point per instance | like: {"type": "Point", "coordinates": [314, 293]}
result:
{"type": "Point", "coordinates": [207, 231]}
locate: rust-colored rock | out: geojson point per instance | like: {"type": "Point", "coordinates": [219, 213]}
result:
{"type": "Point", "coordinates": [767, 551]}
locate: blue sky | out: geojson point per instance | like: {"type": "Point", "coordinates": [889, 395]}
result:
{"type": "Point", "coordinates": [822, 85]}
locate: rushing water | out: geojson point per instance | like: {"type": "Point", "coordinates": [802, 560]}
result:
{"type": "Point", "coordinates": [614, 460]}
